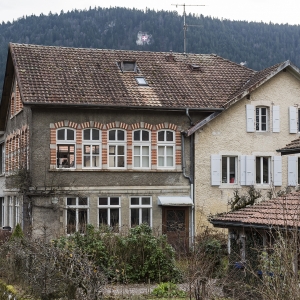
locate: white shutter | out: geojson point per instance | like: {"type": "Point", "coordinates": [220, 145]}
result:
{"type": "Point", "coordinates": [293, 119]}
{"type": "Point", "coordinates": [215, 169]}
{"type": "Point", "coordinates": [277, 160]}
{"type": "Point", "coordinates": [250, 117]}
{"type": "Point", "coordinates": [292, 170]}
{"type": "Point", "coordinates": [243, 170]}
{"type": "Point", "coordinates": [249, 170]}
{"type": "Point", "coordinates": [276, 119]}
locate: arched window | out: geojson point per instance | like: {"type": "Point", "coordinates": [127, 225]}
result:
{"type": "Point", "coordinates": [165, 149]}
{"type": "Point", "coordinates": [65, 148]}
{"type": "Point", "coordinates": [141, 149]}
{"type": "Point", "coordinates": [117, 149]}
{"type": "Point", "coordinates": [91, 138]}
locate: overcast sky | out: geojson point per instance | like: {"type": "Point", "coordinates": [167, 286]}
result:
{"type": "Point", "coordinates": [275, 11]}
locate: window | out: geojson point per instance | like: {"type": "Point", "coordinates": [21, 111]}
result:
{"type": "Point", "coordinates": [116, 146]}
{"type": "Point", "coordinates": [141, 149]}
{"type": "Point", "coordinates": [229, 169]}
{"type": "Point", "coordinates": [140, 211]}
{"type": "Point", "coordinates": [262, 170]}
{"type": "Point", "coordinates": [2, 211]}
{"type": "Point", "coordinates": [109, 211]}
{"type": "Point", "coordinates": [165, 149]}
{"type": "Point", "coordinates": [17, 211]}
{"type": "Point", "coordinates": [65, 148]}
{"type": "Point", "coordinates": [261, 119]}
{"type": "Point", "coordinates": [91, 148]}
{"type": "Point", "coordinates": [141, 81]}
{"type": "Point", "coordinates": [128, 66]}
{"type": "Point", "coordinates": [10, 212]}
{"type": "Point", "coordinates": [77, 214]}
{"type": "Point", "coordinates": [2, 158]}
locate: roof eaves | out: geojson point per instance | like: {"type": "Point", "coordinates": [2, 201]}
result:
{"type": "Point", "coordinates": [289, 151]}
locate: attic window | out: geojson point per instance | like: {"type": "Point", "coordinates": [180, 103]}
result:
{"type": "Point", "coordinates": [128, 66]}
{"type": "Point", "coordinates": [170, 58]}
{"type": "Point", "coordinates": [141, 81]}
{"type": "Point", "coordinates": [194, 67]}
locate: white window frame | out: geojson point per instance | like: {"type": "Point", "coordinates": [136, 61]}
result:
{"type": "Point", "coordinates": [140, 207]}
{"type": "Point", "coordinates": [91, 143]}
{"type": "Point", "coordinates": [117, 143]}
{"type": "Point", "coordinates": [228, 179]}
{"type": "Point", "coordinates": [10, 211]}
{"type": "Point", "coordinates": [164, 145]}
{"type": "Point", "coordinates": [17, 211]}
{"type": "Point", "coordinates": [65, 142]}
{"type": "Point", "coordinates": [261, 170]}
{"type": "Point", "coordinates": [141, 144]}
{"type": "Point", "coordinates": [3, 211]}
{"type": "Point", "coordinates": [108, 207]}
{"type": "Point", "coordinates": [258, 124]}
{"type": "Point", "coordinates": [76, 207]}
{"type": "Point", "coordinates": [2, 169]}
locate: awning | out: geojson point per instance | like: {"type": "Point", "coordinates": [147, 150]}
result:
{"type": "Point", "coordinates": [175, 201]}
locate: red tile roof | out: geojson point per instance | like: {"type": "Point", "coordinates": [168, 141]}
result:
{"type": "Point", "coordinates": [60, 75]}
{"type": "Point", "coordinates": [282, 211]}
{"type": "Point", "coordinates": [292, 147]}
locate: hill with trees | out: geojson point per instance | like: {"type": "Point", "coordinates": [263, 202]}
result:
{"type": "Point", "coordinates": [259, 44]}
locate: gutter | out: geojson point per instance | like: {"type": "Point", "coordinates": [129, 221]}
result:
{"type": "Point", "coordinates": [288, 151]}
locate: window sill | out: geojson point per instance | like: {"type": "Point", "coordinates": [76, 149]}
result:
{"type": "Point", "coordinates": [117, 170]}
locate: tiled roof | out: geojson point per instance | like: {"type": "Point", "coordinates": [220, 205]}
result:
{"type": "Point", "coordinates": [293, 146]}
{"type": "Point", "coordinates": [60, 75]}
{"type": "Point", "coordinates": [282, 211]}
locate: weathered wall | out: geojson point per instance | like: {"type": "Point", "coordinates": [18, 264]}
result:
{"type": "Point", "coordinates": [227, 135]}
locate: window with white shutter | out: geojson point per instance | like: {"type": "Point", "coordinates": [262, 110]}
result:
{"type": "Point", "coordinates": [293, 119]}
{"type": "Point", "coordinates": [292, 170]}
{"type": "Point", "coordinates": [250, 118]}
{"type": "Point", "coordinates": [249, 170]}
{"type": "Point", "coordinates": [215, 169]}
{"type": "Point", "coordinates": [277, 167]}
{"type": "Point", "coordinates": [276, 119]}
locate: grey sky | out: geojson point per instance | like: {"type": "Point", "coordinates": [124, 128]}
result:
{"type": "Point", "coordinates": [276, 11]}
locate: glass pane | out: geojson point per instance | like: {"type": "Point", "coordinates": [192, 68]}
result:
{"type": "Point", "coordinates": [121, 150]}
{"type": "Point", "coordinates": [134, 216]}
{"type": "Point", "coordinates": [86, 134]}
{"type": "Point", "coordinates": [145, 150]}
{"type": "Point", "coordinates": [160, 150]}
{"type": "Point", "coordinates": [82, 220]}
{"type": "Point", "coordinates": [136, 161]}
{"type": "Point", "coordinates": [121, 135]}
{"type": "Point", "coordinates": [169, 161]}
{"type": "Point", "coordinates": [161, 136]}
{"type": "Point", "coordinates": [146, 201]}
{"type": "Point", "coordinates": [95, 161]}
{"type": "Point", "coordinates": [86, 161]}
{"type": "Point", "coordinates": [136, 150]}
{"type": "Point", "coordinates": [114, 201]}
{"type": "Point", "coordinates": [224, 169]}
{"type": "Point", "coordinates": [145, 161]}
{"type": "Point", "coordinates": [145, 135]}
{"type": "Point", "coordinates": [232, 170]}
{"type": "Point", "coordinates": [169, 150]}
{"type": "Point", "coordinates": [134, 201]}
{"type": "Point", "coordinates": [83, 201]}
{"type": "Point", "coordinates": [71, 221]}
{"type": "Point", "coordinates": [121, 163]}
{"type": "Point", "coordinates": [95, 134]}
{"type": "Point", "coordinates": [70, 135]}
{"type": "Point", "coordinates": [60, 134]}
{"type": "Point", "coordinates": [103, 216]}
{"type": "Point", "coordinates": [263, 111]}
{"type": "Point", "coordinates": [112, 135]}
{"type": "Point", "coordinates": [136, 135]}
{"type": "Point", "coordinates": [112, 149]}
{"type": "Point", "coordinates": [161, 161]}
{"type": "Point", "coordinates": [71, 201]}
{"type": "Point", "coordinates": [112, 161]}
{"type": "Point", "coordinates": [95, 149]}
{"type": "Point", "coordinates": [263, 127]}
{"type": "Point", "coordinates": [258, 175]}
{"type": "Point", "coordinates": [265, 170]}
{"type": "Point", "coordinates": [114, 217]}
{"type": "Point", "coordinates": [87, 149]}
{"type": "Point", "coordinates": [103, 201]}
{"type": "Point", "coordinates": [146, 215]}
{"type": "Point", "coordinates": [170, 136]}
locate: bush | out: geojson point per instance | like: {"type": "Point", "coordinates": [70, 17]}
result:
{"type": "Point", "coordinates": [167, 290]}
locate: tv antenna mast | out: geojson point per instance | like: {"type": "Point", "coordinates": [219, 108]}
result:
{"type": "Point", "coordinates": [185, 26]}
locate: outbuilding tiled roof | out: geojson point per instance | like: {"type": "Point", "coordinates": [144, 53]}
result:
{"type": "Point", "coordinates": [292, 147]}
{"type": "Point", "coordinates": [60, 75]}
{"type": "Point", "coordinates": [282, 211]}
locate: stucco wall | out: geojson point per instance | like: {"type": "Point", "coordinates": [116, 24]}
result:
{"type": "Point", "coordinates": [227, 135]}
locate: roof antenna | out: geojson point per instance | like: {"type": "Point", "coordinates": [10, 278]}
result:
{"type": "Point", "coordinates": [185, 26]}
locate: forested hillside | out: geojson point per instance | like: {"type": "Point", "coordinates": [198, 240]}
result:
{"type": "Point", "coordinates": [259, 44]}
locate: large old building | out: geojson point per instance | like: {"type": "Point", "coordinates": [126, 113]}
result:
{"type": "Point", "coordinates": [117, 138]}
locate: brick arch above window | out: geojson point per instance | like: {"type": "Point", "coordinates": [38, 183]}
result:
{"type": "Point", "coordinates": [92, 124]}
{"type": "Point", "coordinates": [166, 125]}
{"type": "Point", "coordinates": [65, 123]}
{"type": "Point", "coordinates": [142, 125]}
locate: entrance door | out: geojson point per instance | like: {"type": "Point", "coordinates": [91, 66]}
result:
{"type": "Point", "coordinates": [175, 224]}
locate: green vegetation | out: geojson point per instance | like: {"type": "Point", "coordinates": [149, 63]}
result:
{"type": "Point", "coordinates": [260, 44]}
{"type": "Point", "coordinates": [168, 290]}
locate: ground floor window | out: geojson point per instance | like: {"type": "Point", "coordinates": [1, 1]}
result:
{"type": "Point", "coordinates": [262, 170]}
{"type": "Point", "coordinates": [140, 210]}
{"type": "Point", "coordinates": [77, 214]}
{"type": "Point", "coordinates": [229, 169]}
{"type": "Point", "coordinates": [109, 212]}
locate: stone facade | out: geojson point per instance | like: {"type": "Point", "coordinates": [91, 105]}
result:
{"type": "Point", "coordinates": [227, 136]}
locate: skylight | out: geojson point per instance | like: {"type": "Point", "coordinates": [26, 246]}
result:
{"type": "Point", "coordinates": [128, 66]}
{"type": "Point", "coordinates": [141, 81]}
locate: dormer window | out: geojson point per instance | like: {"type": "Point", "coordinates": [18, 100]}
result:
{"type": "Point", "coordinates": [128, 66]}
{"type": "Point", "coordinates": [194, 67]}
{"type": "Point", "coordinates": [141, 81]}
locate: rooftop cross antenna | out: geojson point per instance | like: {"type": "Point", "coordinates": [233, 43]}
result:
{"type": "Point", "coordinates": [185, 26]}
